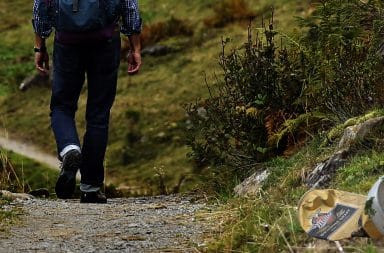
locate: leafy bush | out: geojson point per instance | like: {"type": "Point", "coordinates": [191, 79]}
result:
{"type": "Point", "coordinates": [230, 126]}
{"type": "Point", "coordinates": [341, 45]}
{"type": "Point", "coordinates": [270, 98]}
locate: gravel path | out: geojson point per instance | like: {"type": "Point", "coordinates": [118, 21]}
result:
{"type": "Point", "coordinates": [148, 224]}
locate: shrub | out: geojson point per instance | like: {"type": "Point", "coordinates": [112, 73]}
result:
{"type": "Point", "coordinates": [271, 97]}
{"type": "Point", "coordinates": [230, 126]}
{"type": "Point", "coordinates": [341, 46]}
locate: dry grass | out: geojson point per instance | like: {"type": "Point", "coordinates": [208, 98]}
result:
{"type": "Point", "coordinates": [229, 11]}
{"type": "Point", "coordinates": [9, 179]}
{"type": "Point", "coordinates": [161, 30]}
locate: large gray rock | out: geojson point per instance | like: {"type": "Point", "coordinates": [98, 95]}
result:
{"type": "Point", "coordinates": [13, 196]}
{"type": "Point", "coordinates": [252, 185]}
{"type": "Point", "coordinates": [356, 133]}
{"type": "Point", "coordinates": [323, 172]}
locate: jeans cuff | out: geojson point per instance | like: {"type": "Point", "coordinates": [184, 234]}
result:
{"type": "Point", "coordinates": [89, 188]}
{"type": "Point", "coordinates": [69, 148]}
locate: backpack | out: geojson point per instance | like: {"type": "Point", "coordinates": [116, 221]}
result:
{"type": "Point", "coordinates": [84, 15]}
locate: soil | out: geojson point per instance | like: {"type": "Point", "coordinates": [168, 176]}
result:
{"type": "Point", "coordinates": [145, 224]}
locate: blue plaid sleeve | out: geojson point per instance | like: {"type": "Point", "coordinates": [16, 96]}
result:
{"type": "Point", "coordinates": [131, 21]}
{"type": "Point", "coordinates": [41, 22]}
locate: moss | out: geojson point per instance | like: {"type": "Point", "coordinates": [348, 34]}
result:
{"type": "Point", "coordinates": [338, 130]}
{"type": "Point", "coordinates": [291, 126]}
{"type": "Point", "coordinates": [368, 209]}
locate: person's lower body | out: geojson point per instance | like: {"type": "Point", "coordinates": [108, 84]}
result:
{"type": "Point", "coordinates": [100, 62]}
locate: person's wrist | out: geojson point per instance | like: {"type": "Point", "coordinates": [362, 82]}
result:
{"type": "Point", "coordinates": [41, 49]}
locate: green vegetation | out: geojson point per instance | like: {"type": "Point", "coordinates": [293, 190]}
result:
{"type": "Point", "coordinates": [19, 174]}
{"type": "Point", "coordinates": [156, 96]}
{"type": "Point", "coordinates": [276, 93]}
{"type": "Point", "coordinates": [268, 223]}
{"type": "Point", "coordinates": [278, 97]}
{"type": "Point", "coordinates": [280, 101]}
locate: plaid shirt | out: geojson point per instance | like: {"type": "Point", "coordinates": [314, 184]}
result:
{"type": "Point", "coordinates": [131, 21]}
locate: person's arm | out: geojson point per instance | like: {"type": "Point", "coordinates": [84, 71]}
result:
{"type": "Point", "coordinates": [134, 57]}
{"type": "Point", "coordinates": [131, 27]}
{"type": "Point", "coordinates": [42, 26]}
{"type": "Point", "coordinates": [41, 55]}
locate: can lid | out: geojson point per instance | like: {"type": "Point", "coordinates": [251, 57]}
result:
{"type": "Point", "coordinates": [331, 214]}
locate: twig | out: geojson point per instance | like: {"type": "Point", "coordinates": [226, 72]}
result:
{"type": "Point", "coordinates": [339, 247]}
{"type": "Point", "coordinates": [293, 231]}
{"type": "Point", "coordinates": [285, 239]}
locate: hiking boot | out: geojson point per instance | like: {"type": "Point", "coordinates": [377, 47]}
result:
{"type": "Point", "coordinates": [66, 183]}
{"type": "Point", "coordinates": [93, 197]}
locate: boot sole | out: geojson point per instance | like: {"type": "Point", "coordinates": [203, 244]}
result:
{"type": "Point", "coordinates": [92, 199]}
{"type": "Point", "coordinates": [66, 183]}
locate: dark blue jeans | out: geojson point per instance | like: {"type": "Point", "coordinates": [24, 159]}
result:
{"type": "Point", "coordinates": [99, 61]}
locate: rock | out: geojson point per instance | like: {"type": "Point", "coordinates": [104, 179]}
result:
{"type": "Point", "coordinates": [157, 206]}
{"type": "Point", "coordinates": [251, 186]}
{"type": "Point", "coordinates": [41, 193]}
{"type": "Point", "coordinates": [380, 50]}
{"type": "Point", "coordinates": [324, 171]}
{"type": "Point", "coordinates": [358, 132]}
{"type": "Point", "coordinates": [13, 196]}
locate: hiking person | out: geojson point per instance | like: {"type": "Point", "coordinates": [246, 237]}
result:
{"type": "Point", "coordinates": [87, 42]}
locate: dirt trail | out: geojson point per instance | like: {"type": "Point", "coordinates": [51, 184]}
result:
{"type": "Point", "coordinates": [29, 151]}
{"type": "Point", "coordinates": [148, 224]}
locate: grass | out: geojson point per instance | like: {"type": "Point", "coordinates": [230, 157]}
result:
{"type": "Point", "coordinates": [157, 94]}
{"type": "Point", "coordinates": [30, 175]}
{"type": "Point", "coordinates": [159, 10]}
{"type": "Point", "coordinates": [20, 175]}
{"type": "Point", "coordinates": [361, 173]}
{"type": "Point", "coordinates": [146, 147]}
{"type": "Point", "coordinates": [268, 223]}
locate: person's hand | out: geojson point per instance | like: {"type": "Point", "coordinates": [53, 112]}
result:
{"type": "Point", "coordinates": [42, 62]}
{"type": "Point", "coordinates": [134, 62]}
